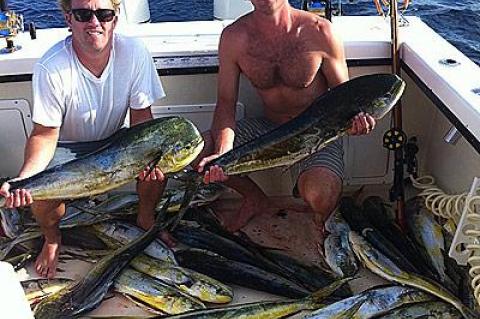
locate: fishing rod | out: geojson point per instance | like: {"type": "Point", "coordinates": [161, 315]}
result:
{"type": "Point", "coordinates": [397, 192]}
{"type": "Point", "coordinates": [394, 139]}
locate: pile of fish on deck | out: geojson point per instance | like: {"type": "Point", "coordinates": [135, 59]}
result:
{"type": "Point", "coordinates": [181, 284]}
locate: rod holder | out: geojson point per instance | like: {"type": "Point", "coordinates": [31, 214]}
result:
{"type": "Point", "coordinates": [452, 136]}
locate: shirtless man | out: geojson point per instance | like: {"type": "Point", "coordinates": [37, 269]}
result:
{"type": "Point", "coordinates": [83, 87]}
{"type": "Point", "coordinates": [291, 57]}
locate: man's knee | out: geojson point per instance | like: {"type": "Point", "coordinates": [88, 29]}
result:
{"type": "Point", "coordinates": [320, 188]}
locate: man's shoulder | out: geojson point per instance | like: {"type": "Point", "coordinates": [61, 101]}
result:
{"type": "Point", "coordinates": [123, 39]}
{"type": "Point", "coordinates": [239, 27]}
{"type": "Point", "coordinates": [128, 43]}
{"type": "Point", "coordinates": [56, 54]}
{"type": "Point", "coordinates": [313, 23]}
{"type": "Point", "coordinates": [238, 33]}
{"type": "Point", "coordinates": [127, 48]}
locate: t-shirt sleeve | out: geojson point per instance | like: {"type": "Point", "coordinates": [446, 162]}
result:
{"type": "Point", "coordinates": [146, 85]}
{"type": "Point", "coordinates": [47, 99]}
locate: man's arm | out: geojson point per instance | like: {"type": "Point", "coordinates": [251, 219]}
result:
{"type": "Point", "coordinates": [334, 68]}
{"type": "Point", "coordinates": [227, 94]}
{"type": "Point", "coordinates": [39, 150]}
{"type": "Point", "coordinates": [334, 64]}
{"type": "Point", "coordinates": [140, 116]}
{"type": "Point", "coordinates": [223, 124]}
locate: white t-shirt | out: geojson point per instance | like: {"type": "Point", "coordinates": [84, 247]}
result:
{"type": "Point", "coordinates": [86, 108]}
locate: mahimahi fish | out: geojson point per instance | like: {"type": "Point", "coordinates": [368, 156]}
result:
{"type": "Point", "coordinates": [328, 118]}
{"type": "Point", "coordinates": [171, 143]}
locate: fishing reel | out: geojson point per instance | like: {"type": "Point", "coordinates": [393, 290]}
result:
{"type": "Point", "coordinates": [394, 139]}
{"type": "Point", "coordinates": [10, 24]}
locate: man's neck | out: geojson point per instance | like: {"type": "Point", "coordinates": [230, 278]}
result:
{"type": "Point", "coordinates": [95, 62]}
{"type": "Point", "coordinates": [279, 20]}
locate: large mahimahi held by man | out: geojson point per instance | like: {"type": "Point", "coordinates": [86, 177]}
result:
{"type": "Point", "coordinates": [171, 143]}
{"type": "Point", "coordinates": [328, 118]}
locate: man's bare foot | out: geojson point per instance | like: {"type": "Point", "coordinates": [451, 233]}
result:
{"type": "Point", "coordinates": [146, 223]}
{"type": "Point", "coordinates": [46, 263]}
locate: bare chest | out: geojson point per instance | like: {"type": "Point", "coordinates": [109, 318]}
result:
{"type": "Point", "coordinates": [290, 63]}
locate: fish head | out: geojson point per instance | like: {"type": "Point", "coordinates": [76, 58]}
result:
{"type": "Point", "coordinates": [358, 242]}
{"type": "Point", "coordinates": [381, 94]}
{"type": "Point", "coordinates": [371, 258]}
{"type": "Point", "coordinates": [181, 143]}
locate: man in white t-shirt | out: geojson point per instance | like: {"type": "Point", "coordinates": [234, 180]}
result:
{"type": "Point", "coordinates": [84, 87]}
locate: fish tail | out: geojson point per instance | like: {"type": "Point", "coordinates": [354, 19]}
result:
{"type": "Point", "coordinates": [467, 312]}
{"type": "Point", "coordinates": [320, 295]}
{"type": "Point", "coordinates": [6, 247]}
{"type": "Point", "coordinates": [350, 312]}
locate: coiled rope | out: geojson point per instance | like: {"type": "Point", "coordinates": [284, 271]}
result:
{"type": "Point", "coordinates": [474, 259]}
{"type": "Point", "coordinates": [437, 201]}
{"type": "Point", "coordinates": [451, 207]}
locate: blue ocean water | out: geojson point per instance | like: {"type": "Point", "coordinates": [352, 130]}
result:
{"type": "Point", "coordinates": [457, 20]}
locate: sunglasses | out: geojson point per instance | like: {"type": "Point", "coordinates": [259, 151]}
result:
{"type": "Point", "coordinates": [85, 15]}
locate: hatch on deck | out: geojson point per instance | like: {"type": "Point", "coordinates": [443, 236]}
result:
{"type": "Point", "coordinates": [16, 123]}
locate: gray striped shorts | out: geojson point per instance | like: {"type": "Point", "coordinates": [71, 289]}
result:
{"type": "Point", "coordinates": [330, 157]}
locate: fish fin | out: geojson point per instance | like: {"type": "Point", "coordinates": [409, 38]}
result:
{"type": "Point", "coordinates": [190, 191]}
{"type": "Point", "coordinates": [151, 165]}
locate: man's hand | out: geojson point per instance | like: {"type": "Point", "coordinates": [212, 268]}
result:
{"type": "Point", "coordinates": [362, 124]}
{"type": "Point", "coordinates": [214, 173]}
{"type": "Point", "coordinates": [153, 175]}
{"type": "Point", "coordinates": [17, 198]}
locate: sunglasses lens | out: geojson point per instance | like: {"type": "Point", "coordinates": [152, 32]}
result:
{"type": "Point", "coordinates": [82, 15]}
{"type": "Point", "coordinates": [85, 15]}
{"type": "Point", "coordinates": [105, 15]}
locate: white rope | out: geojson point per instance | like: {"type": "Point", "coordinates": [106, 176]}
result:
{"type": "Point", "coordinates": [437, 201]}
{"type": "Point", "coordinates": [474, 259]}
{"type": "Point", "coordinates": [451, 207]}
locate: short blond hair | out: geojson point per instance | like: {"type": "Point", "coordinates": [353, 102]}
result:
{"type": "Point", "coordinates": [66, 5]}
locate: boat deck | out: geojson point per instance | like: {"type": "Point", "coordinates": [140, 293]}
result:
{"type": "Point", "coordinates": [290, 230]}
